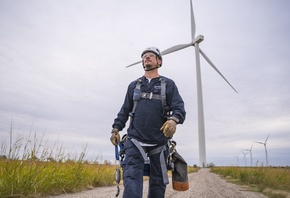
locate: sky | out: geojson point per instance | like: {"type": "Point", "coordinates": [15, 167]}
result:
{"type": "Point", "coordinates": [63, 75]}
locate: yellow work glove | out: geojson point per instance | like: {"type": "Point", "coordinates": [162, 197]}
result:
{"type": "Point", "coordinates": [115, 137]}
{"type": "Point", "coordinates": [168, 128]}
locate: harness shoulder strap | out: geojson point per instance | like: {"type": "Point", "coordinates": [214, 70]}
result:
{"type": "Point", "coordinates": [136, 97]}
{"type": "Point", "coordinates": [163, 95]}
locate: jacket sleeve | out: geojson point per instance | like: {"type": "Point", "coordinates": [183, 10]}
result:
{"type": "Point", "coordinates": [175, 102]}
{"type": "Point", "coordinates": [123, 115]}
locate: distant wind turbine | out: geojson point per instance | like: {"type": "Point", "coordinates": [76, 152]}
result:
{"type": "Point", "coordinates": [237, 159]}
{"type": "Point", "coordinates": [244, 153]}
{"type": "Point", "coordinates": [266, 153]}
{"type": "Point", "coordinates": [250, 150]}
{"type": "Point", "coordinates": [195, 42]}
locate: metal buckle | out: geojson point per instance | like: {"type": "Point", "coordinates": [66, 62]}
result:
{"type": "Point", "coordinates": [150, 95]}
{"type": "Point", "coordinates": [147, 95]}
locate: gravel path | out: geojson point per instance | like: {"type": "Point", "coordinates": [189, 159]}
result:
{"type": "Point", "coordinates": [202, 184]}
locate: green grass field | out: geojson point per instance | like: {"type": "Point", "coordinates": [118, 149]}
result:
{"type": "Point", "coordinates": [20, 178]}
{"type": "Point", "coordinates": [29, 169]}
{"type": "Point", "coordinates": [274, 182]}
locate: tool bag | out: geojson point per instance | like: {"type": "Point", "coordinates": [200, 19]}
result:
{"type": "Point", "coordinates": [178, 167]}
{"type": "Point", "coordinates": [179, 173]}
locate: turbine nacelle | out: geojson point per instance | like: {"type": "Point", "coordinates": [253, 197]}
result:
{"type": "Point", "coordinates": [175, 48]}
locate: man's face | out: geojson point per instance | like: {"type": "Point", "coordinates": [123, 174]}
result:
{"type": "Point", "coordinates": [150, 60]}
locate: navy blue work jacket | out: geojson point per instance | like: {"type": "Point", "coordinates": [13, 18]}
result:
{"type": "Point", "coordinates": [148, 117]}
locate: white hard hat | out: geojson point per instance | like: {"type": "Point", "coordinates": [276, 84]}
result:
{"type": "Point", "coordinates": [154, 50]}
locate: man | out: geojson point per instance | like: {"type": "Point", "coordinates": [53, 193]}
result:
{"type": "Point", "coordinates": [152, 123]}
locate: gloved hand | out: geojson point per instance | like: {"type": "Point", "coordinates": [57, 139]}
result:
{"type": "Point", "coordinates": [115, 137]}
{"type": "Point", "coordinates": [168, 128]}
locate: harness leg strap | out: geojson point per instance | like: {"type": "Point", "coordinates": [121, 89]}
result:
{"type": "Point", "coordinates": [161, 150]}
{"type": "Point", "coordinates": [136, 143]}
{"type": "Point", "coordinates": [157, 150]}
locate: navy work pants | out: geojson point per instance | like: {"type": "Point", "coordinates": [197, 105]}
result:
{"type": "Point", "coordinates": [133, 166]}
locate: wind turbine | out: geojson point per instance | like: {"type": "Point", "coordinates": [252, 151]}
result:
{"type": "Point", "coordinates": [237, 159]}
{"type": "Point", "coordinates": [245, 157]}
{"type": "Point", "coordinates": [266, 153]}
{"type": "Point", "coordinates": [250, 150]}
{"type": "Point", "coordinates": [195, 42]}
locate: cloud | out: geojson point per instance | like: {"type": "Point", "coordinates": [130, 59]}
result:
{"type": "Point", "coordinates": [62, 68]}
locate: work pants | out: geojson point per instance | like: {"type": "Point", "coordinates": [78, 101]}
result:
{"type": "Point", "coordinates": [133, 166]}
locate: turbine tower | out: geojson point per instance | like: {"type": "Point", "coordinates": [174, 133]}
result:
{"type": "Point", "coordinates": [195, 42]}
{"type": "Point", "coordinates": [266, 153]}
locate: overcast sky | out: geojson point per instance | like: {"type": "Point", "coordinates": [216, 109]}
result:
{"type": "Point", "coordinates": [62, 72]}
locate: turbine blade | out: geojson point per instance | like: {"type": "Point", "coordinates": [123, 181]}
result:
{"type": "Point", "coordinates": [267, 138]}
{"type": "Point", "coordinates": [215, 68]}
{"type": "Point", "coordinates": [260, 142]}
{"type": "Point", "coordinates": [175, 48]}
{"type": "Point", "coordinates": [192, 22]}
{"type": "Point", "coordinates": [167, 51]}
{"type": "Point", "coordinates": [133, 64]}
{"type": "Point", "coordinates": [252, 146]}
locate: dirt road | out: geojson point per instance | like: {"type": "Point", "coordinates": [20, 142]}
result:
{"type": "Point", "coordinates": [203, 184]}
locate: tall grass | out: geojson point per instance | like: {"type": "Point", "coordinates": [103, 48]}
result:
{"type": "Point", "coordinates": [29, 169]}
{"type": "Point", "coordinates": [30, 178]}
{"type": "Point", "coordinates": [264, 178]}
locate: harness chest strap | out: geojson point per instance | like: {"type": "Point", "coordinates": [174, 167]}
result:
{"type": "Point", "coordinates": [161, 96]}
{"type": "Point", "coordinates": [151, 96]}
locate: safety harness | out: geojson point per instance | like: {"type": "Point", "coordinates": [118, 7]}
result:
{"type": "Point", "coordinates": [166, 164]}
{"type": "Point", "coordinates": [137, 95]}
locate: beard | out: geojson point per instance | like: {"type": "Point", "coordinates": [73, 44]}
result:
{"type": "Point", "coordinates": [148, 67]}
